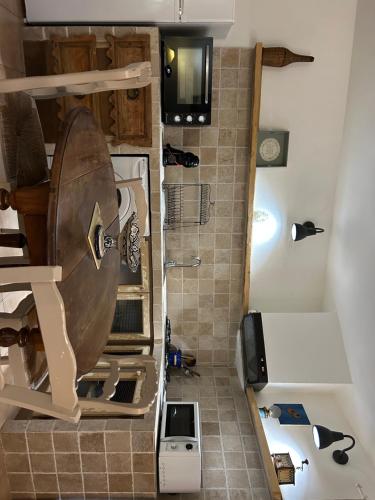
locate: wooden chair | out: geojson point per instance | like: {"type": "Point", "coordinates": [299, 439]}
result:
{"type": "Point", "coordinates": [62, 402]}
{"type": "Point", "coordinates": [114, 369]}
{"type": "Point", "coordinates": [133, 76]}
{"type": "Point", "coordinates": [35, 316]}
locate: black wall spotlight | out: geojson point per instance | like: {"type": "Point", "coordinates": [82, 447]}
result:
{"type": "Point", "coordinates": [324, 437]}
{"type": "Point", "coordinates": [300, 231]}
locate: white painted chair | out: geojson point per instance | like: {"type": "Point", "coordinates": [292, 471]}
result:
{"type": "Point", "coordinates": [62, 402]}
{"type": "Point", "coordinates": [140, 200]}
{"type": "Point", "coordinates": [112, 369]}
{"type": "Point", "coordinates": [133, 76]}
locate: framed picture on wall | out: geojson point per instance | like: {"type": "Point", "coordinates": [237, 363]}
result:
{"type": "Point", "coordinates": [272, 148]}
{"type": "Point", "coordinates": [292, 414]}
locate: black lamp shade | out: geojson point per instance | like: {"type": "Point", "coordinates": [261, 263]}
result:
{"type": "Point", "coordinates": [324, 437]}
{"type": "Point", "coordinates": [300, 231]}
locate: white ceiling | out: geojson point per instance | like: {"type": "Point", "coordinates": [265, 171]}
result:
{"type": "Point", "coordinates": [351, 265]}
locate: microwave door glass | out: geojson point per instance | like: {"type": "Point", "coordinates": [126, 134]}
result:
{"type": "Point", "coordinates": [180, 421]}
{"type": "Point", "coordinates": [190, 75]}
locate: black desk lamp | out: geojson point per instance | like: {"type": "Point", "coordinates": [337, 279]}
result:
{"type": "Point", "coordinates": [324, 437]}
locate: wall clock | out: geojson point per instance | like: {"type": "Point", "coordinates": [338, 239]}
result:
{"type": "Point", "coordinates": [272, 150]}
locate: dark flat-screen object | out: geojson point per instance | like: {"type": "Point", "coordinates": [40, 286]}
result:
{"type": "Point", "coordinates": [253, 351]}
{"type": "Point", "coordinates": [180, 421]}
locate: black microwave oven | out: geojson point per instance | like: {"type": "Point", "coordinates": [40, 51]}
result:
{"type": "Point", "coordinates": [186, 80]}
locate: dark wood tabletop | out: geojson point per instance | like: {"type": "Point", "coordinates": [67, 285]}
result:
{"type": "Point", "coordinates": [82, 174]}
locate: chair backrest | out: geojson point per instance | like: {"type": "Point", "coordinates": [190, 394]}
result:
{"type": "Point", "coordinates": [133, 76]}
{"type": "Point", "coordinates": [62, 402]}
{"type": "Point", "coordinates": [111, 370]}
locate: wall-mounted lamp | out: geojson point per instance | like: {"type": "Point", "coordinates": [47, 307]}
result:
{"type": "Point", "coordinates": [324, 437]}
{"type": "Point", "coordinates": [300, 231]}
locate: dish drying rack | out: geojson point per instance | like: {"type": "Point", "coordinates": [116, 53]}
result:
{"type": "Point", "coordinates": [187, 204]}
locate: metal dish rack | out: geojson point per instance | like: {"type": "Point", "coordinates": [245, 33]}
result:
{"type": "Point", "coordinates": [186, 204]}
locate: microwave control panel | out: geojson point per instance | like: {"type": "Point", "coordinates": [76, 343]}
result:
{"type": "Point", "coordinates": [187, 119]}
{"type": "Point", "coordinates": [176, 447]}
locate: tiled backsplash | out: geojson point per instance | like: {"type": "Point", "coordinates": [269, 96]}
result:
{"type": "Point", "coordinates": [204, 304]}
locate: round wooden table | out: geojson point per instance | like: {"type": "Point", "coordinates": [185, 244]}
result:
{"type": "Point", "coordinates": [57, 218]}
{"type": "Point", "coordinates": [82, 175]}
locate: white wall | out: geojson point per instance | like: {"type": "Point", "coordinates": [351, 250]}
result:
{"type": "Point", "coordinates": [305, 348]}
{"type": "Point", "coordinates": [308, 100]}
{"type": "Point", "coordinates": [351, 267]}
{"type": "Point", "coordinates": [323, 479]}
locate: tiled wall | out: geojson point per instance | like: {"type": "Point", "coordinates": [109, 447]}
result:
{"type": "Point", "coordinates": [231, 465]}
{"type": "Point", "coordinates": [93, 459]}
{"type": "Point", "coordinates": [204, 304]}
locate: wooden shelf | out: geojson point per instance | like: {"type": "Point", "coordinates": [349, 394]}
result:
{"type": "Point", "coordinates": [269, 470]}
{"type": "Point", "coordinates": [254, 127]}
{"type": "Point", "coordinates": [276, 57]}
{"type": "Point", "coordinates": [272, 482]}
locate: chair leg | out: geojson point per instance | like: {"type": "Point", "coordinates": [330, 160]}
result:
{"type": "Point", "coordinates": [17, 287]}
{"type": "Point", "coordinates": [37, 401]}
{"type": "Point", "coordinates": [14, 261]}
{"type": "Point", "coordinates": [8, 230]}
{"type": "Point", "coordinates": [22, 337]}
{"type": "Point", "coordinates": [12, 240]}
{"type": "Point", "coordinates": [9, 336]}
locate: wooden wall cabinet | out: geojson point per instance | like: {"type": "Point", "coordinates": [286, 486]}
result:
{"type": "Point", "coordinates": [131, 119]}
{"type": "Point", "coordinates": [72, 55]}
{"type": "Point", "coordinates": [129, 11]}
{"type": "Point", "coordinates": [124, 115]}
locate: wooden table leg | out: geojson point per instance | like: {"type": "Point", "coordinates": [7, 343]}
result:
{"type": "Point", "coordinates": [36, 231]}
{"type": "Point", "coordinates": [32, 203]}
{"type": "Point", "coordinates": [9, 336]}
{"type": "Point", "coordinates": [31, 200]}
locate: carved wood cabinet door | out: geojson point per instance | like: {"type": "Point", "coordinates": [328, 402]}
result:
{"type": "Point", "coordinates": [125, 116]}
